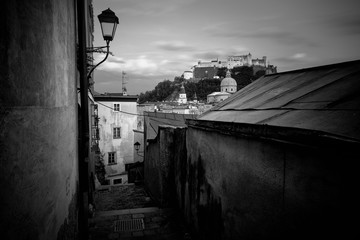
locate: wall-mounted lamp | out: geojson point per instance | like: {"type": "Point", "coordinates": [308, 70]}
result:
{"type": "Point", "coordinates": [137, 148]}
{"type": "Point", "coordinates": [108, 22]}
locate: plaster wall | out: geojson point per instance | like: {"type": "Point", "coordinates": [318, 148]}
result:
{"type": "Point", "coordinates": [244, 188]}
{"type": "Point", "coordinates": [124, 146]}
{"type": "Point", "coordinates": [139, 137]}
{"type": "Point", "coordinates": [38, 120]}
{"type": "Point", "coordinates": [159, 163]}
{"type": "Point", "coordinates": [234, 187]}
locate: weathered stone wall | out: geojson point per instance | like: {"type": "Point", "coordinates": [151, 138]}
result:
{"type": "Point", "coordinates": [246, 188]}
{"type": "Point", "coordinates": [38, 120]}
{"type": "Point", "coordinates": [231, 186]}
{"type": "Point", "coordinates": [161, 155]}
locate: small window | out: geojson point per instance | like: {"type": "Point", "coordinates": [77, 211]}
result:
{"type": "Point", "coordinates": [116, 107]}
{"type": "Point", "coordinates": [117, 181]}
{"type": "Point", "coordinates": [111, 158]}
{"type": "Point", "coordinates": [117, 132]}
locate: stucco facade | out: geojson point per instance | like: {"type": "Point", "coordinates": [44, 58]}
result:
{"type": "Point", "coordinates": [39, 180]}
{"type": "Point", "coordinates": [117, 120]}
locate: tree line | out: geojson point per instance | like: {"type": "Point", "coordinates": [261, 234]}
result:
{"type": "Point", "coordinates": [167, 90]}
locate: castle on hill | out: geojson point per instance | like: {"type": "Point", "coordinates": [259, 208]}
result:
{"type": "Point", "coordinates": [208, 69]}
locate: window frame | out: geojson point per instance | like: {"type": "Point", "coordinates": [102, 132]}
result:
{"type": "Point", "coordinates": [117, 107]}
{"type": "Point", "coordinates": [113, 159]}
{"type": "Point", "coordinates": [116, 132]}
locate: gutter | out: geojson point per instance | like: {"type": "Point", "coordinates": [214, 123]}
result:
{"type": "Point", "coordinates": [84, 128]}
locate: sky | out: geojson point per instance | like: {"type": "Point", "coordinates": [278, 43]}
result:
{"type": "Point", "coordinates": [158, 40]}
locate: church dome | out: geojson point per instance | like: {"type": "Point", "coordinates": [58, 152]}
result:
{"type": "Point", "coordinates": [228, 84]}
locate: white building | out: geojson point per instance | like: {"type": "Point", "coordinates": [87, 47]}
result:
{"type": "Point", "coordinates": [117, 120]}
{"type": "Point", "coordinates": [182, 95]}
{"type": "Point", "coordinates": [188, 75]}
{"type": "Point", "coordinates": [216, 97]}
{"type": "Point", "coordinates": [228, 84]}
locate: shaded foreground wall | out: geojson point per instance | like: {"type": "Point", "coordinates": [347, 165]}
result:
{"type": "Point", "coordinates": [161, 153]}
{"type": "Point", "coordinates": [38, 120]}
{"type": "Point", "coordinates": [235, 187]}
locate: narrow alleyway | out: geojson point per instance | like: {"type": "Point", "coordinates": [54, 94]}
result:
{"type": "Point", "coordinates": [127, 212]}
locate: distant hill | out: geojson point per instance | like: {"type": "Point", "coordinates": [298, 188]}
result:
{"type": "Point", "coordinates": [168, 90]}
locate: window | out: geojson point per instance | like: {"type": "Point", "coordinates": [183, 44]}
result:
{"type": "Point", "coordinates": [117, 107]}
{"type": "Point", "coordinates": [117, 132]}
{"type": "Point", "coordinates": [117, 181]}
{"type": "Point", "coordinates": [111, 158]}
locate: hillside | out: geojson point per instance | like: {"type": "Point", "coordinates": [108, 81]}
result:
{"type": "Point", "coordinates": [167, 90]}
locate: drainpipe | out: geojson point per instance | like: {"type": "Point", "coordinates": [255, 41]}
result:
{"type": "Point", "coordinates": [84, 135]}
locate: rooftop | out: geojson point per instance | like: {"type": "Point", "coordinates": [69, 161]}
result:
{"type": "Point", "coordinates": [115, 97]}
{"type": "Point", "coordinates": [324, 98]}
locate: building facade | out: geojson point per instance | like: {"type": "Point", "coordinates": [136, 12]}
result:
{"type": "Point", "coordinates": [117, 120]}
{"type": "Point", "coordinates": [42, 195]}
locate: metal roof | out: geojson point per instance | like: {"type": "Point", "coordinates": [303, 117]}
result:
{"type": "Point", "coordinates": [115, 97]}
{"type": "Point", "coordinates": [325, 98]}
{"type": "Point", "coordinates": [156, 119]}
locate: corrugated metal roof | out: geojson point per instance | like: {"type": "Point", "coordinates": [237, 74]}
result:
{"type": "Point", "coordinates": [325, 98]}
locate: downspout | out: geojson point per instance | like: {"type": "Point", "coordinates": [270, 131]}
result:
{"type": "Point", "coordinates": [84, 135]}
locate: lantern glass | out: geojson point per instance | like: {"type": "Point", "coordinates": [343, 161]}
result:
{"type": "Point", "coordinates": [108, 30]}
{"type": "Point", "coordinates": [108, 21]}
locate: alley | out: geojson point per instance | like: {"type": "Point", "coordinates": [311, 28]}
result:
{"type": "Point", "coordinates": [127, 212]}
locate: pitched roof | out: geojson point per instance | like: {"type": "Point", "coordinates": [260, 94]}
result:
{"type": "Point", "coordinates": [156, 119]}
{"type": "Point", "coordinates": [325, 98]}
{"type": "Point", "coordinates": [118, 97]}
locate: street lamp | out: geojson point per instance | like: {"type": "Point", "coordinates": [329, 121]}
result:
{"type": "Point", "coordinates": [137, 148]}
{"type": "Point", "coordinates": [108, 22]}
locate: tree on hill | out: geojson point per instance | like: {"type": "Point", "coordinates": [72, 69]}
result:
{"type": "Point", "coordinates": [167, 90]}
{"type": "Point", "coordinates": [207, 86]}
{"type": "Point", "coordinates": [190, 89]}
{"type": "Point", "coordinates": [221, 72]}
{"type": "Point", "coordinates": [164, 89]}
{"type": "Point", "coordinates": [243, 76]}
{"type": "Point", "coordinates": [259, 74]}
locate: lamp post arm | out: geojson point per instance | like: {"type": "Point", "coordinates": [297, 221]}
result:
{"type": "Point", "coordinates": [107, 54]}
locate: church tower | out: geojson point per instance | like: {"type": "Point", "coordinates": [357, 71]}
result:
{"type": "Point", "coordinates": [182, 95]}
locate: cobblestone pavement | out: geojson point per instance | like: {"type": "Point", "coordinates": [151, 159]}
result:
{"type": "Point", "coordinates": [122, 197]}
{"type": "Point", "coordinates": [135, 222]}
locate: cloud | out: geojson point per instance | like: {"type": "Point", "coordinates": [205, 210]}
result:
{"type": "Point", "coordinates": [145, 67]}
{"type": "Point", "coordinates": [151, 8]}
{"type": "Point", "coordinates": [114, 59]}
{"type": "Point", "coordinates": [172, 46]}
{"type": "Point", "coordinates": [274, 34]}
{"type": "Point", "coordinates": [221, 53]}
{"type": "Point", "coordinates": [349, 25]}
{"type": "Point", "coordinates": [135, 83]}
{"type": "Point", "coordinates": [293, 62]}
{"type": "Point", "coordinates": [296, 58]}
{"type": "Point", "coordinates": [140, 64]}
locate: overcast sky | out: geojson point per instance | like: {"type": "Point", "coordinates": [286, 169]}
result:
{"type": "Point", "coordinates": [160, 39]}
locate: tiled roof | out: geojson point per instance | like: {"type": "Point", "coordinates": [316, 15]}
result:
{"type": "Point", "coordinates": [325, 98]}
